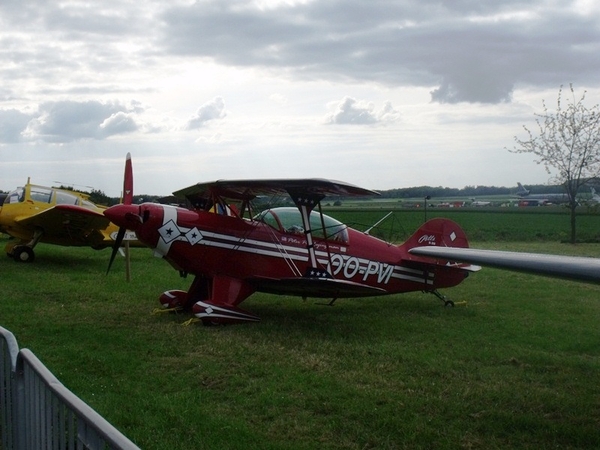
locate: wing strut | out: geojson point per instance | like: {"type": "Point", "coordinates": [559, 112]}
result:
{"type": "Point", "coordinates": [306, 202]}
{"type": "Point", "coordinates": [326, 241]}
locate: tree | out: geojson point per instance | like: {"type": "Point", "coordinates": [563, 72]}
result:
{"type": "Point", "coordinates": [568, 141]}
{"type": "Point", "coordinates": [99, 197]}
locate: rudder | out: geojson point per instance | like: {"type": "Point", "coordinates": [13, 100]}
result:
{"type": "Point", "coordinates": [438, 232]}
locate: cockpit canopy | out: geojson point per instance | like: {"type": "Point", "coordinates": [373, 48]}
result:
{"type": "Point", "coordinates": [47, 195]}
{"type": "Point", "coordinates": [16, 196]}
{"type": "Point", "coordinates": [288, 220]}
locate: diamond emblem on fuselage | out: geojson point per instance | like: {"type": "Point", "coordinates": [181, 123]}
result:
{"type": "Point", "coordinates": [193, 236]}
{"type": "Point", "coordinates": [169, 231]}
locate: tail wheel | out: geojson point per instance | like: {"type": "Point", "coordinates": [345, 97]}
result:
{"type": "Point", "coordinates": [22, 253]}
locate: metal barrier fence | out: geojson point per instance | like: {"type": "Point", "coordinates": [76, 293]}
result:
{"type": "Point", "coordinates": [38, 412]}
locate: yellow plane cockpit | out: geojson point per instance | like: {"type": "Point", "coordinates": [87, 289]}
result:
{"type": "Point", "coordinates": [51, 196]}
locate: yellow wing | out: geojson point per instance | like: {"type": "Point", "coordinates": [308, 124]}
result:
{"type": "Point", "coordinates": [68, 225]}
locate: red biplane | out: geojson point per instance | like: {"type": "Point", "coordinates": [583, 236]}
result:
{"type": "Point", "coordinates": [233, 251]}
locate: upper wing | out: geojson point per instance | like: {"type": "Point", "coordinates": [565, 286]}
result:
{"type": "Point", "coordinates": [249, 189]}
{"type": "Point", "coordinates": [568, 267]}
{"type": "Point", "coordinates": [67, 222]}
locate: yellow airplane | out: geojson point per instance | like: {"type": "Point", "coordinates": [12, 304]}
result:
{"type": "Point", "coordinates": [33, 214]}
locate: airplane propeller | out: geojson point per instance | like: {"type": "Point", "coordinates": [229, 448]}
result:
{"type": "Point", "coordinates": [115, 247]}
{"type": "Point", "coordinates": [127, 200]}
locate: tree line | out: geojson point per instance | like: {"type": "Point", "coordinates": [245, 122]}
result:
{"type": "Point", "coordinates": [99, 197]}
{"type": "Point", "coordinates": [467, 191]}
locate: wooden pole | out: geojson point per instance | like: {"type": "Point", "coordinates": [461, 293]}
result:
{"type": "Point", "coordinates": [127, 263]}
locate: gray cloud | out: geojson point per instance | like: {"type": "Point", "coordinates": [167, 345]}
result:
{"type": "Point", "coordinates": [388, 113]}
{"type": "Point", "coordinates": [463, 51]}
{"type": "Point", "coordinates": [212, 110]}
{"type": "Point", "coordinates": [117, 123]}
{"type": "Point", "coordinates": [75, 47]}
{"type": "Point", "coordinates": [67, 121]}
{"type": "Point", "coordinates": [12, 123]}
{"type": "Point", "coordinates": [472, 52]}
{"type": "Point", "coordinates": [349, 111]}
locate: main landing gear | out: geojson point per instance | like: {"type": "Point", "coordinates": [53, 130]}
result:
{"type": "Point", "coordinates": [447, 302]}
{"type": "Point", "coordinates": [23, 251]}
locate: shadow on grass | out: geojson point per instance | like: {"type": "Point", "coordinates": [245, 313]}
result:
{"type": "Point", "coordinates": [284, 318]}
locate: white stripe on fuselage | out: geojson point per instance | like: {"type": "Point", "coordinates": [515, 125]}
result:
{"type": "Point", "coordinates": [364, 267]}
{"type": "Point", "coordinates": [169, 214]}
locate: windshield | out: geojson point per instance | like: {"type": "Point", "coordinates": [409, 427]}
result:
{"type": "Point", "coordinates": [87, 204]}
{"type": "Point", "coordinates": [40, 194]}
{"type": "Point", "coordinates": [66, 198]}
{"type": "Point", "coordinates": [289, 220]}
{"type": "Point", "coordinates": [16, 196]}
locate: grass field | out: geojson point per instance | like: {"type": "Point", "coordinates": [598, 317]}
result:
{"type": "Point", "coordinates": [540, 224]}
{"type": "Point", "coordinates": [518, 367]}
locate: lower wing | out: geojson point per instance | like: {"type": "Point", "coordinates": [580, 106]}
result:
{"type": "Point", "coordinates": [315, 287]}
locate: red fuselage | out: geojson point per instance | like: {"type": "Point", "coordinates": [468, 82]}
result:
{"type": "Point", "coordinates": [216, 245]}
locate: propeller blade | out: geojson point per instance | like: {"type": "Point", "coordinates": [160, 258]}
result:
{"type": "Point", "coordinates": [128, 181]}
{"type": "Point", "coordinates": [127, 200]}
{"type": "Point", "coordinates": [116, 246]}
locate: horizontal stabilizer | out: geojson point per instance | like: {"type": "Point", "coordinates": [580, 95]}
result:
{"type": "Point", "coordinates": [568, 267]}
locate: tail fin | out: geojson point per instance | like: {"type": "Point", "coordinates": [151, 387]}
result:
{"type": "Point", "coordinates": [442, 272]}
{"type": "Point", "coordinates": [437, 232]}
{"type": "Point", "coordinates": [522, 191]}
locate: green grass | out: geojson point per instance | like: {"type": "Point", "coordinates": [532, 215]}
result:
{"type": "Point", "coordinates": [480, 224]}
{"type": "Point", "coordinates": [518, 367]}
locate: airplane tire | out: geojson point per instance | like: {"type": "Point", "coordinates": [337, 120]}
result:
{"type": "Point", "coordinates": [23, 254]}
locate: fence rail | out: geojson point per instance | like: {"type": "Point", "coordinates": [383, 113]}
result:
{"type": "Point", "coordinates": [38, 412]}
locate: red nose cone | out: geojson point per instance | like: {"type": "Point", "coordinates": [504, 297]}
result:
{"type": "Point", "coordinates": [125, 216]}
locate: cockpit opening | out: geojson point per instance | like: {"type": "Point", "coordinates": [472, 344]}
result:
{"type": "Point", "coordinates": [47, 195]}
{"type": "Point", "coordinates": [16, 196]}
{"type": "Point", "coordinates": [289, 220]}
{"type": "Point", "coordinates": [40, 194]}
{"type": "Point", "coordinates": [65, 198]}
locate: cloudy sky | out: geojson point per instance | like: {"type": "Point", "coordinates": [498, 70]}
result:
{"type": "Point", "coordinates": [379, 93]}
